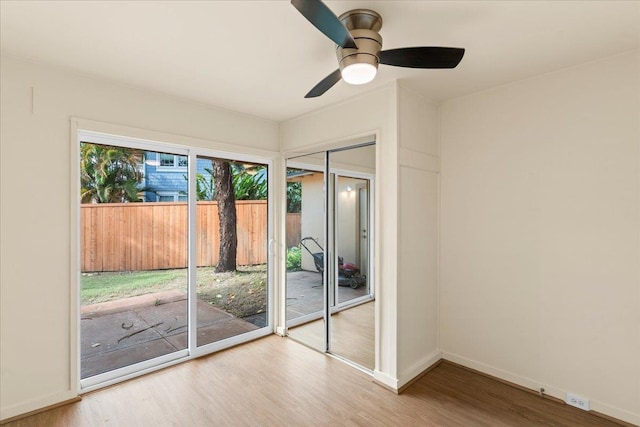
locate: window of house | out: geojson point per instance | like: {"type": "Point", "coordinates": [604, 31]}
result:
{"type": "Point", "coordinates": [168, 161]}
{"type": "Point", "coordinates": [172, 196]}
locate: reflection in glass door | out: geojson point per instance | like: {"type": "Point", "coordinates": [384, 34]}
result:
{"type": "Point", "coordinates": [351, 214]}
{"type": "Point", "coordinates": [305, 235]}
{"type": "Point", "coordinates": [330, 293]}
{"type": "Point", "coordinates": [351, 324]}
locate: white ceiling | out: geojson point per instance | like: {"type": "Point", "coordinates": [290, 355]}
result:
{"type": "Point", "coordinates": [261, 57]}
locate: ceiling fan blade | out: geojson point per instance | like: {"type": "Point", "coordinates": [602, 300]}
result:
{"type": "Point", "coordinates": [324, 85]}
{"type": "Point", "coordinates": [326, 21]}
{"type": "Point", "coordinates": [423, 57]}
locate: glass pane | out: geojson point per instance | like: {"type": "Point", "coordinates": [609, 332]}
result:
{"type": "Point", "coordinates": [166, 160]}
{"type": "Point", "coordinates": [305, 249]}
{"type": "Point", "coordinates": [133, 260]}
{"type": "Point", "coordinates": [352, 319]}
{"type": "Point", "coordinates": [231, 239]}
{"type": "Point", "coordinates": [352, 243]}
{"type": "Point", "coordinates": [183, 161]}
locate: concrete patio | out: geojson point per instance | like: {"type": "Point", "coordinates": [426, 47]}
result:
{"type": "Point", "coordinates": [305, 293]}
{"type": "Point", "coordinates": [127, 331]}
{"type": "Point", "coordinates": [130, 330]}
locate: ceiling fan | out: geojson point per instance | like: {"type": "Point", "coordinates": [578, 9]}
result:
{"type": "Point", "coordinates": [359, 46]}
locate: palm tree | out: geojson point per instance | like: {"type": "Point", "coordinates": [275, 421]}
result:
{"type": "Point", "coordinates": [294, 197]}
{"type": "Point", "coordinates": [109, 174]}
{"type": "Point", "coordinates": [205, 187]}
{"type": "Point", "coordinates": [249, 181]}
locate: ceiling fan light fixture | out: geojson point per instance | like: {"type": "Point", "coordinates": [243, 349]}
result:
{"type": "Point", "coordinates": [359, 73]}
{"type": "Point", "coordinates": [359, 46]}
{"type": "Point", "coordinates": [359, 66]}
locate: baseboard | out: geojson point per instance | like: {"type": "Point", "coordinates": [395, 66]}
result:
{"type": "Point", "coordinates": [408, 377]}
{"type": "Point", "coordinates": [21, 410]}
{"type": "Point", "coordinates": [412, 374]}
{"type": "Point", "coordinates": [597, 408]}
{"type": "Point", "coordinates": [385, 381]}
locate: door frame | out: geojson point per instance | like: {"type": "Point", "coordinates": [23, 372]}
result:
{"type": "Point", "coordinates": [370, 178]}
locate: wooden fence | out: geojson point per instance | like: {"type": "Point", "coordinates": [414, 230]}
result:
{"type": "Point", "coordinates": [294, 229]}
{"type": "Point", "coordinates": [151, 236]}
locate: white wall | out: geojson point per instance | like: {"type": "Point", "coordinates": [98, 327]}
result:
{"type": "Point", "coordinates": [417, 234]}
{"type": "Point", "coordinates": [348, 235]}
{"type": "Point", "coordinates": [312, 216]}
{"type": "Point", "coordinates": [36, 277]}
{"type": "Point", "coordinates": [540, 227]}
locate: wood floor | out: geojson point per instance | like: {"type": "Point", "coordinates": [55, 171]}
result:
{"type": "Point", "coordinates": [275, 381]}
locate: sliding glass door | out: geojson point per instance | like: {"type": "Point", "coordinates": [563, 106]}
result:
{"type": "Point", "coordinates": [232, 300]}
{"type": "Point", "coordinates": [134, 301]}
{"type": "Point", "coordinates": [173, 254]}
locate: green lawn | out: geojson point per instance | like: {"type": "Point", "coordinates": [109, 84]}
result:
{"type": "Point", "coordinates": [241, 293]}
{"type": "Point", "coordinates": [101, 287]}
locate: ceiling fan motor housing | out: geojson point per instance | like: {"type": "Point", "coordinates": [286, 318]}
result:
{"type": "Point", "coordinates": [369, 46]}
{"type": "Point", "coordinates": [363, 24]}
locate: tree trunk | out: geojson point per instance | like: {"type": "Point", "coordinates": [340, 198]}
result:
{"type": "Point", "coordinates": [225, 197]}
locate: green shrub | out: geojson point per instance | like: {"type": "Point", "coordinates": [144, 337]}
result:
{"type": "Point", "coordinates": [294, 259]}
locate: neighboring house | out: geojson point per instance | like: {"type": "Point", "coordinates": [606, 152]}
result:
{"type": "Point", "coordinates": [165, 176]}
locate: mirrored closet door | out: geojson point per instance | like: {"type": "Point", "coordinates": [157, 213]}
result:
{"type": "Point", "coordinates": [305, 236]}
{"type": "Point", "coordinates": [330, 281]}
{"type": "Point", "coordinates": [351, 324]}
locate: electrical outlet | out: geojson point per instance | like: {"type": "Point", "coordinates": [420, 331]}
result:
{"type": "Point", "coordinates": [577, 401]}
